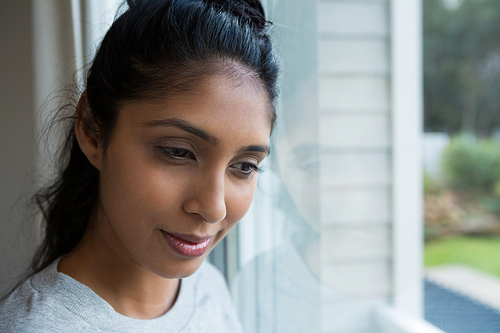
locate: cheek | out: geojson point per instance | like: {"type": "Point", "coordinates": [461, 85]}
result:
{"type": "Point", "coordinates": [136, 193]}
{"type": "Point", "coordinates": [238, 201]}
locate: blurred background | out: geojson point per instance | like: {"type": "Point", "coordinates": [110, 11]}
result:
{"type": "Point", "coordinates": [379, 210]}
{"type": "Point", "coordinates": [462, 163]}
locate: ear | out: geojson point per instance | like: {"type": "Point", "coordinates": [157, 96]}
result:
{"type": "Point", "coordinates": [86, 138]}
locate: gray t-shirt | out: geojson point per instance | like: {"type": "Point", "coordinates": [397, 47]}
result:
{"type": "Point", "coordinates": [51, 301]}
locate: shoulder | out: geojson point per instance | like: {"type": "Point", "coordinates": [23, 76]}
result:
{"type": "Point", "coordinates": [15, 308]}
{"type": "Point", "coordinates": [35, 306]}
{"type": "Point", "coordinates": [26, 309]}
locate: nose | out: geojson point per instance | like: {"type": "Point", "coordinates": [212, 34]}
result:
{"type": "Point", "coordinates": [206, 197]}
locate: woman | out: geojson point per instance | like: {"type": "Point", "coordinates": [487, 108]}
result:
{"type": "Point", "coordinates": [160, 162]}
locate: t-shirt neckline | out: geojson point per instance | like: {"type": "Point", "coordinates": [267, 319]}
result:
{"type": "Point", "coordinates": [90, 307]}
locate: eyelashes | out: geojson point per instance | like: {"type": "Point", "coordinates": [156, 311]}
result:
{"type": "Point", "coordinates": [246, 168]}
{"type": "Point", "coordinates": [177, 153]}
{"type": "Point", "coordinates": [181, 155]}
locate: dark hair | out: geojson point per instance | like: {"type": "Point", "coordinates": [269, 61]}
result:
{"type": "Point", "coordinates": [155, 48]}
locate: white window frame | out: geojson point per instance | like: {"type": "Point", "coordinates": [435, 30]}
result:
{"type": "Point", "coordinates": [407, 105]}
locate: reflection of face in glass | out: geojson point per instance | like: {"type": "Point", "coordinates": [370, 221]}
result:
{"type": "Point", "coordinates": [178, 174]}
{"type": "Point", "coordinates": [298, 151]}
{"type": "Point", "coordinates": [298, 159]}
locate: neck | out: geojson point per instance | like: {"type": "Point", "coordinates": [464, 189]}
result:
{"type": "Point", "coordinates": [115, 276]}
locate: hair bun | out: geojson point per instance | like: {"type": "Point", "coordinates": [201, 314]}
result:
{"type": "Point", "coordinates": [250, 11]}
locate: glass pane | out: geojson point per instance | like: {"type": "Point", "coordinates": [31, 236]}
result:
{"type": "Point", "coordinates": [276, 286]}
{"type": "Point", "coordinates": [314, 249]}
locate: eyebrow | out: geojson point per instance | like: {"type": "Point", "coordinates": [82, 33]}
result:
{"type": "Point", "coordinates": [256, 148]}
{"type": "Point", "coordinates": [191, 128]}
{"type": "Point", "coordinates": [185, 126]}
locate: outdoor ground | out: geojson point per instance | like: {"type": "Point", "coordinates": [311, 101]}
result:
{"type": "Point", "coordinates": [481, 253]}
{"type": "Point", "coordinates": [462, 284]}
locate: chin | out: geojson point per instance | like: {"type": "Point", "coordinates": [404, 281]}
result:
{"type": "Point", "coordinates": [180, 270]}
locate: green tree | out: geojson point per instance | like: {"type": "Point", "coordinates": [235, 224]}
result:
{"type": "Point", "coordinates": [462, 66]}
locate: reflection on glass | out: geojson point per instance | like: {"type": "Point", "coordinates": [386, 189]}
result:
{"type": "Point", "coordinates": [302, 268]}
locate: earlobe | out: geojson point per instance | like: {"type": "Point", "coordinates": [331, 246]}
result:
{"type": "Point", "coordinates": [86, 137]}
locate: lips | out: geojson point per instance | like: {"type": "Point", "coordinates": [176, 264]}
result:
{"type": "Point", "coordinates": [187, 245]}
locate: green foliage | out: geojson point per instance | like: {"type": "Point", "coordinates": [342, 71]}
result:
{"type": "Point", "coordinates": [471, 164]}
{"type": "Point", "coordinates": [491, 204]}
{"type": "Point", "coordinates": [477, 252]}
{"type": "Point", "coordinates": [462, 66]}
{"type": "Point", "coordinates": [496, 189]}
{"type": "Point", "coordinates": [431, 185]}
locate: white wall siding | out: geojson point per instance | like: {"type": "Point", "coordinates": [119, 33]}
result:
{"type": "Point", "coordinates": [355, 131]}
{"type": "Point", "coordinates": [354, 244]}
{"type": "Point", "coordinates": [356, 169]}
{"type": "Point", "coordinates": [355, 135]}
{"type": "Point", "coordinates": [364, 205]}
{"type": "Point", "coordinates": [366, 93]}
{"type": "Point", "coordinates": [354, 55]}
{"type": "Point", "coordinates": [363, 280]}
{"type": "Point", "coordinates": [353, 17]}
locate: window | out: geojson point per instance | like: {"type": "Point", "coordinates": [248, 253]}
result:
{"type": "Point", "coordinates": [332, 242]}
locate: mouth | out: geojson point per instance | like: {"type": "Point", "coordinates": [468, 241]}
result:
{"type": "Point", "coordinates": [187, 245]}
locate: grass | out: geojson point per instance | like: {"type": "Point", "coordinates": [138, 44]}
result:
{"type": "Point", "coordinates": [482, 253]}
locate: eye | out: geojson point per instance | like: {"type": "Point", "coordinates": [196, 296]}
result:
{"type": "Point", "coordinates": [177, 153]}
{"type": "Point", "coordinates": [245, 169]}
{"type": "Point", "coordinates": [311, 167]}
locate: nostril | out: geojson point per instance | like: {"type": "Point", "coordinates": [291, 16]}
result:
{"type": "Point", "coordinates": [212, 211]}
{"type": "Point", "coordinates": [216, 217]}
{"type": "Point", "coordinates": [210, 208]}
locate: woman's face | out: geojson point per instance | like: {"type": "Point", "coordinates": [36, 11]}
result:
{"type": "Point", "coordinates": [178, 174]}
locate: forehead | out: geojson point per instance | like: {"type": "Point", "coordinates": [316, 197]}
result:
{"type": "Point", "coordinates": [219, 104]}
